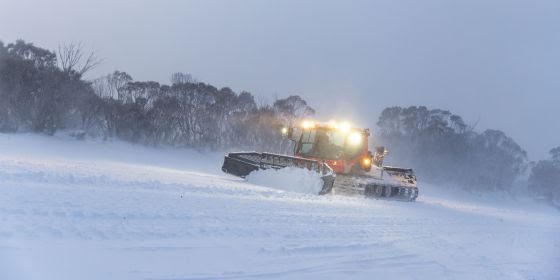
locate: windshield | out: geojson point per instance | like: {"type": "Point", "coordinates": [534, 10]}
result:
{"type": "Point", "coordinates": [329, 144]}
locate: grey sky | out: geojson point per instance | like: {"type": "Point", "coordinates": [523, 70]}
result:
{"type": "Point", "coordinates": [496, 63]}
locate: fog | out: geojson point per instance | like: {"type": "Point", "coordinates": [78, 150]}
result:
{"type": "Point", "coordinates": [495, 64]}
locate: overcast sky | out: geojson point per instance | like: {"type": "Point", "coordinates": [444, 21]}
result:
{"type": "Point", "coordinates": [495, 63]}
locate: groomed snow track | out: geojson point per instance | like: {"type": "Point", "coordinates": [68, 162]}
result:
{"type": "Point", "coordinates": [109, 210]}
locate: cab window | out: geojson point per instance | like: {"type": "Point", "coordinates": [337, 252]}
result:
{"type": "Point", "coordinates": [307, 140]}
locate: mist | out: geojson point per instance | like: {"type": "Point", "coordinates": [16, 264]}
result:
{"type": "Point", "coordinates": [491, 62]}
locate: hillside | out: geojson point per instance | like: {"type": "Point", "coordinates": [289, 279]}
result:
{"type": "Point", "coordinates": [111, 210]}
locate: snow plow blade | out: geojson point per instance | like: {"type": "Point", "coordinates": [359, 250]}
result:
{"type": "Point", "coordinates": [242, 163]}
{"type": "Point", "coordinates": [393, 183]}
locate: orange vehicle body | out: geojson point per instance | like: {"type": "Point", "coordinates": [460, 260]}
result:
{"type": "Point", "coordinates": [350, 160]}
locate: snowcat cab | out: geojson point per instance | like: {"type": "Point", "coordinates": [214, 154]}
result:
{"type": "Point", "coordinates": [343, 148]}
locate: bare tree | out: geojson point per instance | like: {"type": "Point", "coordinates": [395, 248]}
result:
{"type": "Point", "coordinates": [73, 58]}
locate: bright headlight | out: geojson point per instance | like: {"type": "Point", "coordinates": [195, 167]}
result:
{"type": "Point", "coordinates": [284, 130]}
{"type": "Point", "coordinates": [344, 127]}
{"type": "Point", "coordinates": [355, 139]}
{"type": "Point", "coordinates": [307, 124]}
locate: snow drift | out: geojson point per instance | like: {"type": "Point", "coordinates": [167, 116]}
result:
{"type": "Point", "coordinates": [288, 179]}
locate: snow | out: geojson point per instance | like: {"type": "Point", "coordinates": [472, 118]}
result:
{"type": "Point", "coordinates": [111, 210]}
{"type": "Point", "coordinates": [288, 179]}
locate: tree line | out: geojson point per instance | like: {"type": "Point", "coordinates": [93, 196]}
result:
{"type": "Point", "coordinates": [444, 149]}
{"type": "Point", "coordinates": [43, 91]}
{"type": "Point", "coordinates": [40, 94]}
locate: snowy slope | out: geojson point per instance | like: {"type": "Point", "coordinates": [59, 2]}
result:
{"type": "Point", "coordinates": [110, 210]}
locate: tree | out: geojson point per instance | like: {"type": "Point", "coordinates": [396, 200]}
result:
{"type": "Point", "coordinates": [182, 78]}
{"type": "Point", "coordinates": [36, 95]}
{"type": "Point", "coordinates": [73, 59]}
{"type": "Point", "coordinates": [292, 108]}
{"type": "Point", "coordinates": [499, 160]}
{"type": "Point", "coordinates": [545, 177]}
{"type": "Point", "coordinates": [555, 155]}
{"type": "Point", "coordinates": [117, 82]}
{"type": "Point", "coordinates": [40, 58]}
{"type": "Point", "coordinates": [439, 145]}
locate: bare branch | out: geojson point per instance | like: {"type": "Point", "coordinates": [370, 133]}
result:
{"type": "Point", "coordinates": [91, 62]}
{"type": "Point", "coordinates": [71, 56]}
